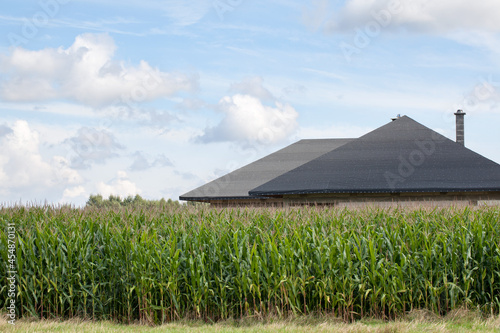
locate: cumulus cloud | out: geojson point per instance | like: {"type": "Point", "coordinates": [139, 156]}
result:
{"type": "Point", "coordinates": [248, 121]}
{"type": "Point", "coordinates": [22, 167]}
{"type": "Point", "coordinates": [142, 162]}
{"type": "Point", "coordinates": [252, 115]}
{"type": "Point", "coordinates": [92, 145]}
{"type": "Point", "coordinates": [426, 16]}
{"type": "Point", "coordinates": [85, 72]}
{"type": "Point", "coordinates": [120, 186]}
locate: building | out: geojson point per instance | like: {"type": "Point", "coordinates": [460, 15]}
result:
{"type": "Point", "coordinates": [402, 162]}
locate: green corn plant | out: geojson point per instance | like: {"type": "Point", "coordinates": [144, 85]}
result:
{"type": "Point", "coordinates": [168, 264]}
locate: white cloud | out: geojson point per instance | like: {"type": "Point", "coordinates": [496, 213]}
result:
{"type": "Point", "coordinates": [92, 145]}
{"type": "Point", "coordinates": [85, 72]}
{"type": "Point", "coordinates": [416, 15]}
{"type": "Point", "coordinates": [121, 186]}
{"type": "Point", "coordinates": [24, 170]}
{"type": "Point", "coordinates": [63, 171]}
{"type": "Point", "coordinates": [73, 192]}
{"type": "Point", "coordinates": [248, 121]}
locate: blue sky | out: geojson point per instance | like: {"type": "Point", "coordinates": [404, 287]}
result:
{"type": "Point", "coordinates": [159, 97]}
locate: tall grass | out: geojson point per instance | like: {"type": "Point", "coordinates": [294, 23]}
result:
{"type": "Point", "coordinates": [166, 265]}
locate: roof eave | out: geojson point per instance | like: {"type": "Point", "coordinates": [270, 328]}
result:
{"type": "Point", "coordinates": [206, 199]}
{"type": "Point", "coordinates": [437, 190]}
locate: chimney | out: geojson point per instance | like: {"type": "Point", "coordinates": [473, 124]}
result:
{"type": "Point", "coordinates": [460, 126]}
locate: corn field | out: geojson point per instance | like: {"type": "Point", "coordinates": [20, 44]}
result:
{"type": "Point", "coordinates": [191, 262]}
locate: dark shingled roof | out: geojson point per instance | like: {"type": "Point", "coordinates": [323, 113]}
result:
{"type": "Point", "coordinates": [402, 156]}
{"type": "Point", "coordinates": [238, 183]}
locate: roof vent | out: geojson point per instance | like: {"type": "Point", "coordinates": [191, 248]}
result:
{"type": "Point", "coordinates": [460, 126]}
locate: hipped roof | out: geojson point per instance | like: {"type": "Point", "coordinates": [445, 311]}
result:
{"type": "Point", "coordinates": [238, 183]}
{"type": "Point", "coordinates": [402, 156]}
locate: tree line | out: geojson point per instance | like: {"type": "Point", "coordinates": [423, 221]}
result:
{"type": "Point", "coordinates": [115, 201]}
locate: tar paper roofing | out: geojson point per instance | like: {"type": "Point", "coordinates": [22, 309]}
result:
{"type": "Point", "coordinates": [402, 156]}
{"type": "Point", "coordinates": [238, 183]}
